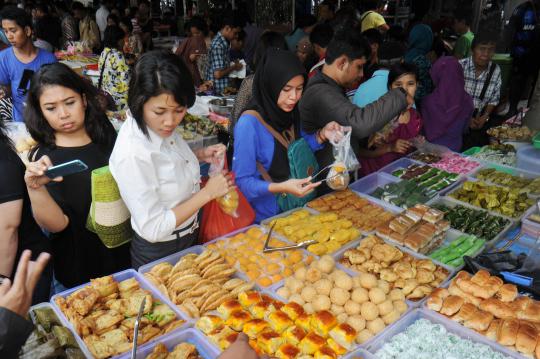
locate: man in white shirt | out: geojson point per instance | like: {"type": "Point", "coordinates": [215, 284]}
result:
{"type": "Point", "coordinates": [101, 16]}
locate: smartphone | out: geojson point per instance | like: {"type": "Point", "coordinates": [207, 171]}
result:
{"type": "Point", "coordinates": [65, 169]}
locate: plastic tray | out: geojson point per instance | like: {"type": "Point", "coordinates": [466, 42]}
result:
{"type": "Point", "coordinates": [528, 158]}
{"type": "Point", "coordinates": [505, 169]}
{"type": "Point", "coordinates": [285, 214]}
{"type": "Point", "coordinates": [121, 276]}
{"type": "Point", "coordinates": [451, 236]}
{"type": "Point", "coordinates": [385, 205]}
{"type": "Point", "coordinates": [459, 185]}
{"type": "Point", "coordinates": [360, 354]}
{"type": "Point", "coordinates": [173, 259]}
{"type": "Point", "coordinates": [529, 227]}
{"type": "Point", "coordinates": [401, 163]}
{"type": "Point", "coordinates": [339, 254]}
{"type": "Point", "coordinates": [404, 322]}
{"type": "Point", "coordinates": [370, 183]}
{"type": "Point", "coordinates": [191, 335]}
{"type": "Point", "coordinates": [265, 230]}
{"type": "Point", "coordinates": [452, 202]}
{"type": "Point", "coordinates": [63, 322]}
{"type": "Point", "coordinates": [354, 274]}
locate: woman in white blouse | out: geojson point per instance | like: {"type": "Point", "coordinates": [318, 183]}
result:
{"type": "Point", "coordinates": [156, 171]}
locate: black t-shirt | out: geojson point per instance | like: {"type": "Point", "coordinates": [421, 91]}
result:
{"type": "Point", "coordinates": [13, 188]}
{"type": "Point", "coordinates": [79, 254]}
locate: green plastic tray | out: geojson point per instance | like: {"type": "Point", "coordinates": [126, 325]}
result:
{"type": "Point", "coordinates": [536, 141]}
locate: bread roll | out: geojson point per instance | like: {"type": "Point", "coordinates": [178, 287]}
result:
{"type": "Point", "coordinates": [396, 294]}
{"type": "Point", "coordinates": [479, 321]}
{"type": "Point", "coordinates": [507, 292]}
{"type": "Point", "coordinates": [493, 329]}
{"type": "Point", "coordinates": [376, 295]}
{"type": "Point", "coordinates": [531, 312]}
{"type": "Point", "coordinates": [481, 277]}
{"type": "Point", "coordinates": [400, 306]}
{"type": "Point", "coordinates": [368, 281]}
{"type": "Point", "coordinates": [364, 336]}
{"type": "Point", "coordinates": [385, 307]}
{"type": "Point", "coordinates": [360, 295]}
{"type": "Point", "coordinates": [469, 298]}
{"type": "Point", "coordinates": [508, 332]}
{"type": "Point", "coordinates": [357, 322]}
{"type": "Point", "coordinates": [451, 305]}
{"type": "Point", "coordinates": [391, 317]}
{"type": "Point", "coordinates": [497, 308]}
{"type": "Point", "coordinates": [526, 338]}
{"type": "Point", "coordinates": [465, 313]}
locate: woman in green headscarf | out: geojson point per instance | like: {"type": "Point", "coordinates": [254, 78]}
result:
{"type": "Point", "coordinates": [420, 43]}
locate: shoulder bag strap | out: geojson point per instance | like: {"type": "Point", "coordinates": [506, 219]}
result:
{"type": "Point", "coordinates": [488, 80]}
{"type": "Point", "coordinates": [102, 69]}
{"type": "Point", "coordinates": [364, 17]}
{"type": "Point", "coordinates": [264, 173]}
{"type": "Point", "coordinates": [278, 136]}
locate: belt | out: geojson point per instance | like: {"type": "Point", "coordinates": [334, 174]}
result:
{"type": "Point", "coordinates": [179, 233]}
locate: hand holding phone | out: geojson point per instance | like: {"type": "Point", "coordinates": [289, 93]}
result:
{"type": "Point", "coordinates": [66, 169]}
{"type": "Point", "coordinates": [42, 171]}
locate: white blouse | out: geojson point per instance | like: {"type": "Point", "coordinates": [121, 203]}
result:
{"type": "Point", "coordinates": [154, 175]}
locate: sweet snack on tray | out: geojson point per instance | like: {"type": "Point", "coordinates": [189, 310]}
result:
{"type": "Point", "coordinates": [427, 177]}
{"type": "Point", "coordinates": [244, 251]}
{"type": "Point", "coordinates": [182, 350]}
{"type": "Point", "coordinates": [426, 157]}
{"type": "Point", "coordinates": [473, 221]}
{"type": "Point", "coordinates": [452, 254]}
{"type": "Point", "coordinates": [511, 133]}
{"type": "Point", "coordinates": [454, 163]}
{"type": "Point", "coordinates": [421, 229]}
{"type": "Point", "coordinates": [405, 193]}
{"type": "Point", "coordinates": [103, 313]}
{"type": "Point", "coordinates": [282, 331]}
{"type": "Point", "coordinates": [375, 260]}
{"type": "Point", "coordinates": [503, 200]}
{"type": "Point", "coordinates": [366, 304]}
{"type": "Point", "coordinates": [364, 215]}
{"type": "Point", "coordinates": [487, 305]}
{"type": "Point", "coordinates": [529, 185]}
{"type": "Point", "coordinates": [330, 231]}
{"type": "Point", "coordinates": [197, 283]}
{"type": "Point", "coordinates": [49, 337]}
{"type": "Point", "coordinates": [429, 340]}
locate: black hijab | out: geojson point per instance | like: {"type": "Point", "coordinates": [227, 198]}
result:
{"type": "Point", "coordinates": [276, 69]}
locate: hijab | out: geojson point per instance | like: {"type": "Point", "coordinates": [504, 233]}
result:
{"type": "Point", "coordinates": [276, 69]}
{"type": "Point", "coordinates": [447, 110]}
{"type": "Point", "coordinates": [420, 42]}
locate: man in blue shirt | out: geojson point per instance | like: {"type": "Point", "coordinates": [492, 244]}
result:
{"type": "Point", "coordinates": [19, 62]}
{"type": "Point", "coordinates": [219, 64]}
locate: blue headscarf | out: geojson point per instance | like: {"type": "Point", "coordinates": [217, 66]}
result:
{"type": "Point", "coordinates": [420, 42]}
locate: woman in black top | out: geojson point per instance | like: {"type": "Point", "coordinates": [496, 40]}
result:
{"type": "Point", "coordinates": [18, 229]}
{"type": "Point", "coordinates": [62, 114]}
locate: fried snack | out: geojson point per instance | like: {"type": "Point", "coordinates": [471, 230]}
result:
{"type": "Point", "coordinates": [103, 314]}
{"type": "Point", "coordinates": [416, 277]}
{"type": "Point", "coordinates": [197, 284]}
{"type": "Point", "coordinates": [363, 214]}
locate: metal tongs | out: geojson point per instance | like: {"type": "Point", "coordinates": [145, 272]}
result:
{"type": "Point", "coordinates": [325, 179]}
{"type": "Point", "coordinates": [136, 328]}
{"type": "Point", "coordinates": [268, 249]}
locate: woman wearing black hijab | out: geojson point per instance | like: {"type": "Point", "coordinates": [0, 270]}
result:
{"type": "Point", "coordinates": [260, 160]}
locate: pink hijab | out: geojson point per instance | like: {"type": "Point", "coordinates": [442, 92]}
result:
{"type": "Point", "coordinates": [447, 110]}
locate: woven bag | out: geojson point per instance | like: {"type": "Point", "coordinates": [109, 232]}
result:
{"type": "Point", "coordinates": [109, 217]}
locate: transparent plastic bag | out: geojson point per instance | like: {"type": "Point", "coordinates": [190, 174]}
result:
{"type": "Point", "coordinates": [345, 160]}
{"type": "Point", "coordinates": [229, 202]}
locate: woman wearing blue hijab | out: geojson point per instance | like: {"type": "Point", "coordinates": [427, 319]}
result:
{"type": "Point", "coordinates": [420, 43]}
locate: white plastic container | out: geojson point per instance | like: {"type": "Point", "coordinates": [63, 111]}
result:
{"type": "Point", "coordinates": [528, 158]}
{"type": "Point", "coordinates": [118, 277]}
{"type": "Point", "coordinates": [190, 335]}
{"type": "Point", "coordinates": [404, 322]}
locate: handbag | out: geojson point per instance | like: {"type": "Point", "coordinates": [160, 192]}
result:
{"type": "Point", "coordinates": [109, 217]}
{"type": "Point", "coordinates": [302, 164]}
{"type": "Point", "coordinates": [107, 99]}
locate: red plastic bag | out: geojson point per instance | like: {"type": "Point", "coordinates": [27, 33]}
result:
{"type": "Point", "coordinates": [216, 223]}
